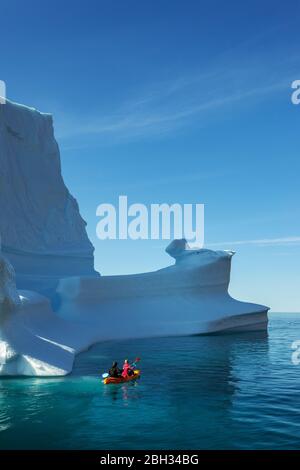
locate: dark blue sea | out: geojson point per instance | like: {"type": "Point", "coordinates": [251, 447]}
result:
{"type": "Point", "coordinates": [202, 392]}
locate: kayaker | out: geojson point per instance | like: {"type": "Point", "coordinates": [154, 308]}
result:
{"type": "Point", "coordinates": [127, 369]}
{"type": "Point", "coordinates": [115, 371]}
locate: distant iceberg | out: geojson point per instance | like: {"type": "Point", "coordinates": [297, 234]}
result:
{"type": "Point", "coordinates": [56, 304]}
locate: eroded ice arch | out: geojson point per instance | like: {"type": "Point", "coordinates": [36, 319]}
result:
{"type": "Point", "coordinates": [33, 341]}
{"type": "Point", "coordinates": [9, 303]}
{"type": "Point", "coordinates": [9, 297]}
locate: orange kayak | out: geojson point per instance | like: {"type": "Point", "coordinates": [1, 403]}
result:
{"type": "Point", "coordinates": [121, 380]}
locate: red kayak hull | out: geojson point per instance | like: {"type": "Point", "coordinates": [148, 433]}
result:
{"type": "Point", "coordinates": [121, 380]}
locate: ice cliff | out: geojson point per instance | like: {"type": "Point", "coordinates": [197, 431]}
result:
{"type": "Point", "coordinates": [43, 234]}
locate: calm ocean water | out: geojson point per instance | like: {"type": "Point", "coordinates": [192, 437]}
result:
{"type": "Point", "coordinates": [213, 392]}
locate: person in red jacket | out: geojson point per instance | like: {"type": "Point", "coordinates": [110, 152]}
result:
{"type": "Point", "coordinates": [127, 369]}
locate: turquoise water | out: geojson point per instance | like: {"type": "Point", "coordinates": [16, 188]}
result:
{"type": "Point", "coordinates": [213, 392]}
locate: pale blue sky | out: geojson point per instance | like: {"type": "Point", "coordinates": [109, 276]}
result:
{"type": "Point", "coordinates": [173, 101]}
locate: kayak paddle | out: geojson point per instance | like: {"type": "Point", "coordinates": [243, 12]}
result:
{"type": "Point", "coordinates": [138, 359]}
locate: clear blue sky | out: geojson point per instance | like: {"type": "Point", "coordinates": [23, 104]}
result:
{"type": "Point", "coordinates": [173, 101]}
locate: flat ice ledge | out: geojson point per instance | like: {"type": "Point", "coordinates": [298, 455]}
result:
{"type": "Point", "coordinates": [190, 297]}
{"type": "Point", "coordinates": [37, 342]}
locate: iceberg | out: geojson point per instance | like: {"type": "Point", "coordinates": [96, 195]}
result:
{"type": "Point", "coordinates": [53, 304]}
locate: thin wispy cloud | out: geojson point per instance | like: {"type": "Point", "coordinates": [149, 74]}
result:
{"type": "Point", "coordinates": [284, 241]}
{"type": "Point", "coordinates": [148, 118]}
{"type": "Point", "coordinates": [152, 183]}
{"type": "Point", "coordinates": [192, 99]}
